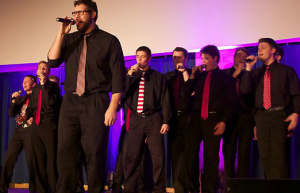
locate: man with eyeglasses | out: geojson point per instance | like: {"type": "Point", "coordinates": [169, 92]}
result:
{"type": "Point", "coordinates": [94, 66]}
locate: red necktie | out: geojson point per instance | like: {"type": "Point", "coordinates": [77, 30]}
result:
{"type": "Point", "coordinates": [39, 107]}
{"type": "Point", "coordinates": [267, 89]}
{"type": "Point", "coordinates": [176, 90]}
{"type": "Point", "coordinates": [237, 87]}
{"type": "Point", "coordinates": [140, 105]}
{"type": "Point", "coordinates": [128, 119]}
{"type": "Point", "coordinates": [81, 69]}
{"type": "Point", "coordinates": [205, 99]}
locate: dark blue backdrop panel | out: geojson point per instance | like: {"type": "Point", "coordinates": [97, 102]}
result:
{"type": "Point", "coordinates": [12, 82]}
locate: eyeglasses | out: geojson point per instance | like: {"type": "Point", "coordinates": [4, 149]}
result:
{"type": "Point", "coordinates": [80, 13]}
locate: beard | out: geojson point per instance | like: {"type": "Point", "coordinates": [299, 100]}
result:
{"type": "Point", "coordinates": [84, 26]}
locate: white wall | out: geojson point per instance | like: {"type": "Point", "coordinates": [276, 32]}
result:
{"type": "Point", "coordinates": [28, 27]}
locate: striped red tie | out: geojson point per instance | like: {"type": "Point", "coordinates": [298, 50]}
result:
{"type": "Point", "coordinates": [267, 89]}
{"type": "Point", "coordinates": [140, 105]}
{"type": "Point", "coordinates": [205, 98]}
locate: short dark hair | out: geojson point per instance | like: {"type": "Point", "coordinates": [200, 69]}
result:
{"type": "Point", "coordinates": [33, 78]}
{"type": "Point", "coordinates": [145, 49]}
{"type": "Point", "coordinates": [211, 50]}
{"type": "Point", "coordinates": [270, 41]}
{"type": "Point", "coordinates": [241, 49]}
{"type": "Point", "coordinates": [280, 52]}
{"type": "Point", "coordinates": [92, 6]}
{"type": "Point", "coordinates": [180, 49]}
{"type": "Point", "coordinates": [44, 62]}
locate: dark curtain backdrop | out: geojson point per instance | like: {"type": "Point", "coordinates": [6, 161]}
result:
{"type": "Point", "coordinates": [11, 82]}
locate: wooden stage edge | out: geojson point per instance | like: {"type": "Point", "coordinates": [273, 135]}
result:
{"type": "Point", "coordinates": [26, 185]}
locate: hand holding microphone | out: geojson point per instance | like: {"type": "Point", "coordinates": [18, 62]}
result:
{"type": "Point", "coordinates": [42, 78]}
{"type": "Point", "coordinates": [250, 62]}
{"type": "Point", "coordinates": [15, 95]}
{"type": "Point", "coordinates": [180, 67]}
{"type": "Point", "coordinates": [197, 68]}
{"type": "Point", "coordinates": [66, 24]}
{"type": "Point", "coordinates": [133, 69]}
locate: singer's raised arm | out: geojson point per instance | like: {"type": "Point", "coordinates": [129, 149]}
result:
{"type": "Point", "coordinates": [56, 52]}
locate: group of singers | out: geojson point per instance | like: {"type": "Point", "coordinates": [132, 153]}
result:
{"type": "Point", "coordinates": [189, 105]}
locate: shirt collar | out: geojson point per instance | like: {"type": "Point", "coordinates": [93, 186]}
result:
{"type": "Point", "coordinates": [93, 32]}
{"type": "Point", "coordinates": [272, 65]}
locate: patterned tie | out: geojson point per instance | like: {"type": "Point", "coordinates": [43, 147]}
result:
{"type": "Point", "coordinates": [176, 90]}
{"type": "Point", "coordinates": [267, 89]}
{"type": "Point", "coordinates": [205, 99]}
{"type": "Point", "coordinates": [140, 105]}
{"type": "Point", "coordinates": [39, 107]}
{"type": "Point", "coordinates": [237, 87]}
{"type": "Point", "coordinates": [81, 69]}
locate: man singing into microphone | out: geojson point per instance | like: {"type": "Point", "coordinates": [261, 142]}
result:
{"type": "Point", "coordinates": [181, 108]}
{"type": "Point", "coordinates": [42, 107]}
{"type": "Point", "coordinates": [149, 115]}
{"type": "Point", "coordinates": [238, 133]}
{"type": "Point", "coordinates": [277, 100]}
{"type": "Point", "coordinates": [21, 137]}
{"type": "Point", "coordinates": [94, 66]}
{"type": "Point", "coordinates": [215, 104]}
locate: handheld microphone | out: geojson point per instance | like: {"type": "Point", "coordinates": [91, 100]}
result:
{"type": "Point", "coordinates": [65, 20]}
{"type": "Point", "coordinates": [181, 67]}
{"type": "Point", "coordinates": [20, 92]}
{"type": "Point", "coordinates": [247, 60]}
{"type": "Point", "coordinates": [203, 66]}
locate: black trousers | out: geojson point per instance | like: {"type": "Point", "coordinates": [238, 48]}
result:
{"type": "Point", "coordinates": [19, 141]}
{"type": "Point", "coordinates": [237, 138]}
{"type": "Point", "coordinates": [119, 172]}
{"type": "Point", "coordinates": [44, 146]}
{"type": "Point", "coordinates": [141, 128]}
{"type": "Point", "coordinates": [272, 137]}
{"type": "Point", "coordinates": [82, 121]}
{"type": "Point", "coordinates": [176, 138]}
{"type": "Point", "coordinates": [145, 179]}
{"type": "Point", "coordinates": [199, 130]}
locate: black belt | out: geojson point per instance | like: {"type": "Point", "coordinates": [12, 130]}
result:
{"type": "Point", "coordinates": [183, 112]}
{"type": "Point", "coordinates": [199, 112]}
{"type": "Point", "coordinates": [272, 109]}
{"type": "Point", "coordinates": [144, 114]}
{"type": "Point", "coordinates": [86, 94]}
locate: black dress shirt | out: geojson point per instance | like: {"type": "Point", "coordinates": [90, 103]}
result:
{"type": "Point", "coordinates": [285, 90]}
{"type": "Point", "coordinates": [104, 71]}
{"type": "Point", "coordinates": [246, 101]}
{"type": "Point", "coordinates": [184, 103]}
{"type": "Point", "coordinates": [16, 107]}
{"type": "Point", "coordinates": [156, 94]}
{"type": "Point", "coordinates": [50, 101]}
{"type": "Point", "coordinates": [222, 94]}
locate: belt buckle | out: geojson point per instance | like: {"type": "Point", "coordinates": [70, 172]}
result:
{"type": "Point", "coordinates": [268, 110]}
{"type": "Point", "coordinates": [143, 114]}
